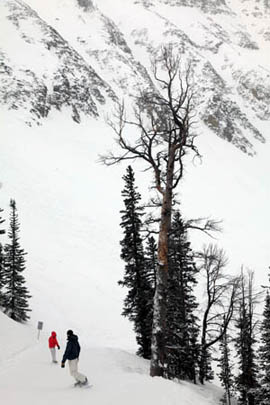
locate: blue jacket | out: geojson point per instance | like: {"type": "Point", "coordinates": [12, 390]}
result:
{"type": "Point", "coordinates": [73, 348]}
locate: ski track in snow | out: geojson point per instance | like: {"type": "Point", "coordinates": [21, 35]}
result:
{"type": "Point", "coordinates": [27, 375]}
{"type": "Point", "coordinates": [117, 378]}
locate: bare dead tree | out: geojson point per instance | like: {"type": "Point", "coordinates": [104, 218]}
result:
{"type": "Point", "coordinates": [163, 122]}
{"type": "Point", "coordinates": [221, 295]}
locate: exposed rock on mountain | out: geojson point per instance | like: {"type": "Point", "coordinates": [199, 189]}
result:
{"type": "Point", "coordinates": [254, 87]}
{"type": "Point", "coordinates": [208, 6]}
{"type": "Point", "coordinates": [86, 4]}
{"type": "Point", "coordinates": [48, 73]}
{"type": "Point", "coordinates": [86, 56]}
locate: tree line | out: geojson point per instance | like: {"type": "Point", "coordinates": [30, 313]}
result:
{"type": "Point", "coordinates": [194, 333]}
{"type": "Point", "coordinates": [14, 295]}
{"type": "Point", "coordinates": [161, 274]}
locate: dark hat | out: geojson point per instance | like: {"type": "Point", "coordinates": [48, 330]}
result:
{"type": "Point", "coordinates": [70, 332]}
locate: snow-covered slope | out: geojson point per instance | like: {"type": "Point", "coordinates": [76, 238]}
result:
{"type": "Point", "coordinates": [69, 211]}
{"type": "Point", "coordinates": [68, 207]}
{"type": "Point", "coordinates": [14, 339]}
{"type": "Point", "coordinates": [118, 377]}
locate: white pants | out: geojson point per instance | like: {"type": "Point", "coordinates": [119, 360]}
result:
{"type": "Point", "coordinates": [73, 368]}
{"type": "Point", "coordinates": [53, 353]}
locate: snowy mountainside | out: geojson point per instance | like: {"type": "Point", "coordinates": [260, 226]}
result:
{"type": "Point", "coordinates": [48, 73]}
{"type": "Point", "coordinates": [72, 237]}
{"type": "Point", "coordinates": [106, 54]}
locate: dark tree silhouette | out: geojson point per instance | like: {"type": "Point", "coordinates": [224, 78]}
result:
{"type": "Point", "coordinates": [182, 323]}
{"type": "Point", "coordinates": [246, 381]}
{"type": "Point", "coordinates": [2, 276]}
{"type": "Point", "coordinates": [139, 300]}
{"type": "Point", "coordinates": [225, 364]}
{"type": "Point", "coordinates": [221, 294]}
{"type": "Point", "coordinates": [16, 294]}
{"type": "Point", "coordinates": [263, 394]}
{"type": "Point", "coordinates": [151, 261]}
{"type": "Point", "coordinates": [2, 231]}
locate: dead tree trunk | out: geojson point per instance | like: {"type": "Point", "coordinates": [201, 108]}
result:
{"type": "Point", "coordinates": [163, 121]}
{"type": "Point", "coordinates": [160, 298]}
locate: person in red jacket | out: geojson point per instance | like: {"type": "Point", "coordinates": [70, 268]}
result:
{"type": "Point", "coordinates": [53, 343]}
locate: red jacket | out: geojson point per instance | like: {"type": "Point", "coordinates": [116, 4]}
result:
{"type": "Point", "coordinates": [53, 341]}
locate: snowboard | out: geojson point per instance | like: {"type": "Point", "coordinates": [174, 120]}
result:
{"type": "Point", "coordinates": [83, 386]}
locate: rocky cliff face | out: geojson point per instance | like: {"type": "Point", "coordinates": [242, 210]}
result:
{"type": "Point", "coordinates": [85, 56]}
{"type": "Point", "coordinates": [208, 6]}
{"type": "Point", "coordinates": [49, 73]}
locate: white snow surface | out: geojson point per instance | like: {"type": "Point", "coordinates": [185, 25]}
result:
{"type": "Point", "coordinates": [27, 375]}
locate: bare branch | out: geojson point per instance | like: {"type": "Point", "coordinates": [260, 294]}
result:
{"type": "Point", "coordinates": [206, 225]}
{"type": "Point", "coordinates": [221, 293]}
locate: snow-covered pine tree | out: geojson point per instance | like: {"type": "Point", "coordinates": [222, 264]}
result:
{"type": "Point", "coordinates": [208, 370]}
{"type": "Point", "coordinates": [139, 300]}
{"type": "Point", "coordinates": [263, 394]}
{"type": "Point", "coordinates": [151, 260]}
{"type": "Point", "coordinates": [182, 324]}
{"type": "Point", "coordinates": [2, 276]}
{"type": "Point", "coordinates": [16, 294]}
{"type": "Point", "coordinates": [246, 381]}
{"type": "Point", "coordinates": [226, 375]}
{"type": "Point", "coordinates": [2, 231]}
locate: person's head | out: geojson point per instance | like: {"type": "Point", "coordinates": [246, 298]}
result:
{"type": "Point", "coordinates": [53, 334]}
{"type": "Point", "coordinates": [69, 332]}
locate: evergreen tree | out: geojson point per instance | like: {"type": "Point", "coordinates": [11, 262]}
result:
{"type": "Point", "coordinates": [226, 375]}
{"type": "Point", "coordinates": [16, 294]}
{"type": "Point", "coordinates": [2, 275]}
{"type": "Point", "coordinates": [246, 381]}
{"type": "Point", "coordinates": [208, 370]}
{"type": "Point", "coordinates": [2, 231]}
{"type": "Point", "coordinates": [138, 302]}
{"type": "Point", "coordinates": [182, 327]}
{"type": "Point", "coordinates": [263, 393]}
{"type": "Point", "coordinates": [151, 261]}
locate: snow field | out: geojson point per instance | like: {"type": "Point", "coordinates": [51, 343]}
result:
{"type": "Point", "coordinates": [118, 377]}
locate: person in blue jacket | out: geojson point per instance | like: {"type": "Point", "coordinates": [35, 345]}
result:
{"type": "Point", "coordinates": [71, 354]}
